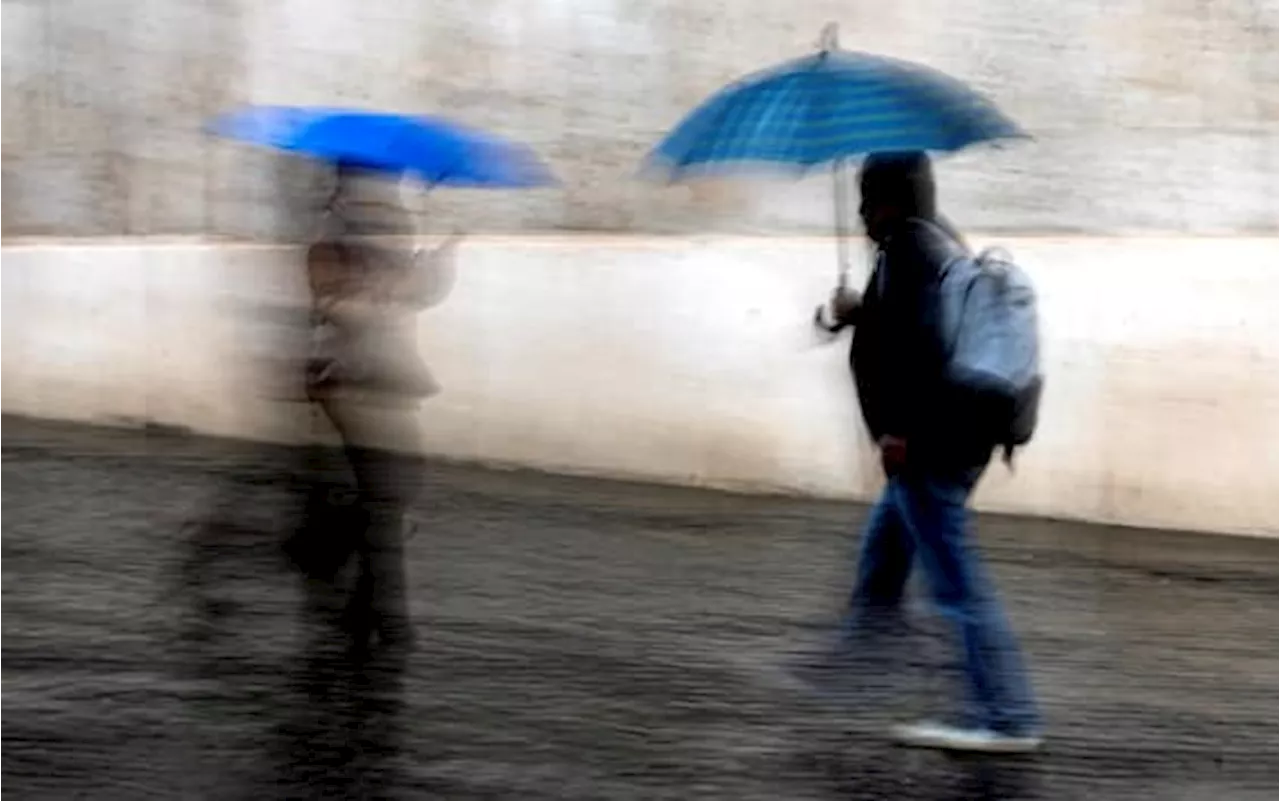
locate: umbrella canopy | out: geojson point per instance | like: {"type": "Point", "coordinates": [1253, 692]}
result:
{"type": "Point", "coordinates": [826, 107]}
{"type": "Point", "coordinates": [437, 151]}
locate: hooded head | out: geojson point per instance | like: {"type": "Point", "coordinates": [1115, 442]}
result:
{"type": "Point", "coordinates": [895, 187]}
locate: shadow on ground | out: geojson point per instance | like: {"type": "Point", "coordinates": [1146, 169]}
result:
{"type": "Point", "coordinates": [579, 639]}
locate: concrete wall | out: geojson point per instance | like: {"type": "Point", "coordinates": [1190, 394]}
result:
{"type": "Point", "coordinates": [673, 358]}
{"type": "Point", "coordinates": [1150, 115]}
{"type": "Point", "coordinates": [692, 360]}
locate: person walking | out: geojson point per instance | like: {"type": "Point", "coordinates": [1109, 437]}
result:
{"type": "Point", "coordinates": [369, 379]}
{"type": "Point", "coordinates": [934, 446]}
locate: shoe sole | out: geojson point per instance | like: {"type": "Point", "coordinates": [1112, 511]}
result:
{"type": "Point", "coordinates": [1003, 745]}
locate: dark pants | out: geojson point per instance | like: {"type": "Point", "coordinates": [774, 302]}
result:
{"type": "Point", "coordinates": [925, 518]}
{"type": "Point", "coordinates": [380, 445]}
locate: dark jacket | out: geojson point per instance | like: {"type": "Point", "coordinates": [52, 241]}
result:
{"type": "Point", "coordinates": [898, 357]}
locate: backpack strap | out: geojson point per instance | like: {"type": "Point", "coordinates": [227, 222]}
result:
{"type": "Point", "coordinates": [996, 261]}
{"type": "Point", "coordinates": [946, 243]}
{"type": "Point", "coordinates": [995, 255]}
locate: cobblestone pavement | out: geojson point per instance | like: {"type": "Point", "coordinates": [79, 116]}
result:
{"type": "Point", "coordinates": [580, 639]}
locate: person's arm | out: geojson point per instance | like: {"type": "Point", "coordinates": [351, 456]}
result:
{"type": "Point", "coordinates": [354, 308]}
{"type": "Point", "coordinates": [431, 274]}
{"type": "Point", "coordinates": [909, 356]}
{"type": "Point", "coordinates": [867, 351]}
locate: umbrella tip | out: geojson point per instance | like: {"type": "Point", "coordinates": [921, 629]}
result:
{"type": "Point", "coordinates": [829, 39]}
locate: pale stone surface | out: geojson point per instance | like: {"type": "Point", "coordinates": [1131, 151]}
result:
{"type": "Point", "coordinates": [1148, 116]}
{"type": "Point", "coordinates": [693, 361]}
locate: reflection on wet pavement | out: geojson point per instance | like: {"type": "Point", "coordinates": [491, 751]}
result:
{"type": "Point", "coordinates": [578, 639]}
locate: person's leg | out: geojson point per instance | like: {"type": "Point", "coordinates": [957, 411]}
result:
{"type": "Point", "coordinates": [884, 565]}
{"type": "Point", "coordinates": [384, 456]}
{"type": "Point", "coordinates": [379, 604]}
{"type": "Point", "coordinates": [324, 535]}
{"type": "Point", "coordinates": [1000, 699]}
{"type": "Point", "coordinates": [862, 654]}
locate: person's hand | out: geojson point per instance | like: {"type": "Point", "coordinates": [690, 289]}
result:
{"type": "Point", "coordinates": [319, 378]}
{"type": "Point", "coordinates": [843, 306]}
{"type": "Point", "coordinates": [845, 303]}
{"type": "Point", "coordinates": [893, 455]}
{"type": "Point", "coordinates": [435, 271]}
{"type": "Point", "coordinates": [443, 250]}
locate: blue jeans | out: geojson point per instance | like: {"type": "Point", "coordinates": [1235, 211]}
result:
{"type": "Point", "coordinates": [925, 517]}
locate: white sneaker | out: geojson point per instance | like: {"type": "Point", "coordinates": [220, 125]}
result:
{"type": "Point", "coordinates": [955, 738]}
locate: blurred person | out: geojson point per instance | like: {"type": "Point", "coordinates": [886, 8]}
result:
{"type": "Point", "coordinates": [368, 377]}
{"type": "Point", "coordinates": [933, 448]}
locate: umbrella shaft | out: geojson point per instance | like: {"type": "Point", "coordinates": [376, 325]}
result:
{"type": "Point", "coordinates": [841, 195]}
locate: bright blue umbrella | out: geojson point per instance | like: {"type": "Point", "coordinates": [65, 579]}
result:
{"type": "Point", "coordinates": [824, 109]}
{"type": "Point", "coordinates": [437, 151]}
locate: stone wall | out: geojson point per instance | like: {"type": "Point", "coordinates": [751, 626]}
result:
{"type": "Point", "coordinates": [1148, 116]}
{"type": "Point", "coordinates": [693, 361]}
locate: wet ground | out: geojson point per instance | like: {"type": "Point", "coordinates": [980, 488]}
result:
{"type": "Point", "coordinates": [579, 639]}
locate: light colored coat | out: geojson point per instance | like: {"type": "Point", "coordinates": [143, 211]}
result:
{"type": "Point", "coordinates": [367, 323]}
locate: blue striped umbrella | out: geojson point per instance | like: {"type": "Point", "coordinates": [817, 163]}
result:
{"type": "Point", "coordinates": [828, 106]}
{"type": "Point", "coordinates": [824, 109]}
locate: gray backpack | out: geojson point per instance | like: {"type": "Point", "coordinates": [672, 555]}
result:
{"type": "Point", "coordinates": [989, 325]}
